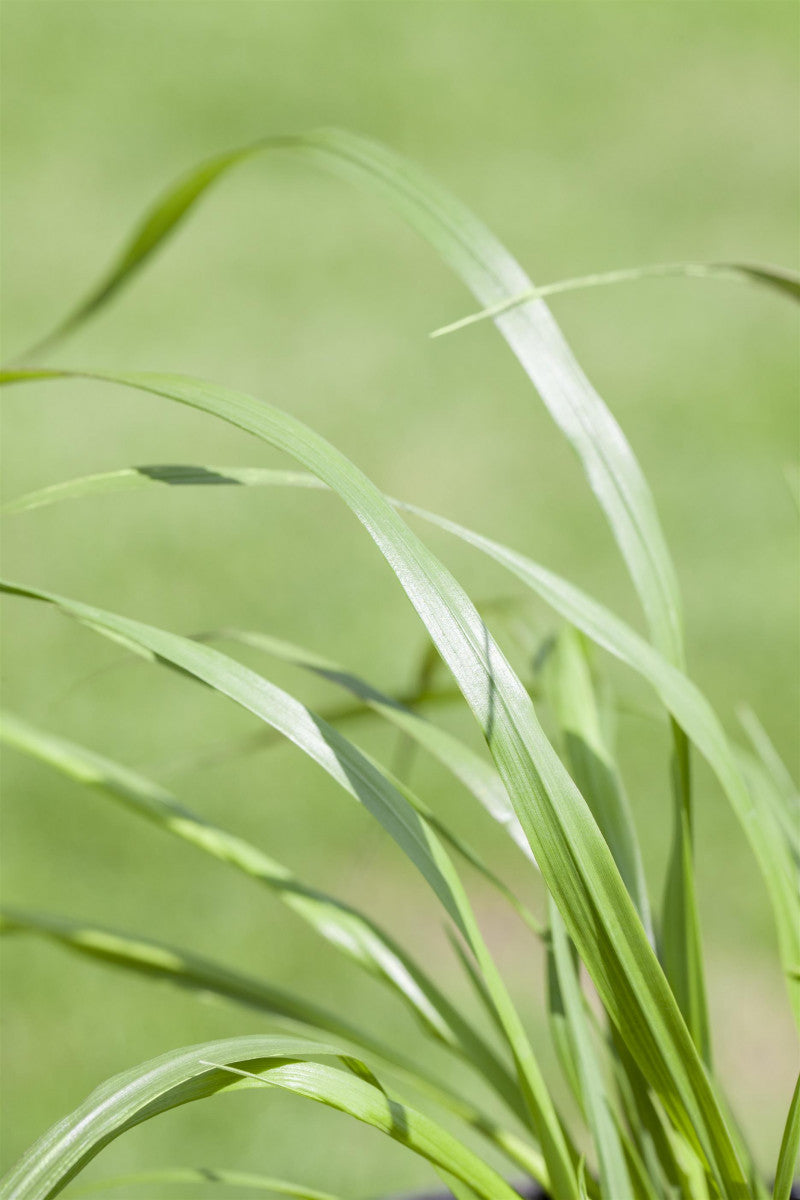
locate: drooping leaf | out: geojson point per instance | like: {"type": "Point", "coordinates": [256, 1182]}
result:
{"type": "Point", "coordinates": [183, 1076]}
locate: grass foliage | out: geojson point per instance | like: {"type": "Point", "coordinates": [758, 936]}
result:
{"type": "Point", "coordinates": [636, 1048]}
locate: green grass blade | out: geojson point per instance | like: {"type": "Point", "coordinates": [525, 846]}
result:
{"type": "Point", "coordinates": [646, 1122]}
{"type": "Point", "coordinates": [205, 1175]}
{"type": "Point", "coordinates": [184, 1075]}
{"type": "Point", "coordinates": [511, 616]}
{"type": "Point", "coordinates": [569, 848]}
{"type": "Point", "coordinates": [790, 1145]}
{"type": "Point", "coordinates": [160, 221]}
{"type": "Point", "coordinates": [763, 785]}
{"type": "Point", "coordinates": [771, 760]}
{"type": "Point", "coordinates": [681, 947]}
{"type": "Point", "coordinates": [615, 1182]}
{"type": "Point", "coordinates": [154, 960]}
{"type": "Point", "coordinates": [591, 763]}
{"type": "Point", "coordinates": [296, 1077]}
{"type": "Point", "coordinates": [342, 925]}
{"type": "Point", "coordinates": [559, 1029]}
{"type": "Point", "coordinates": [643, 1183]}
{"type": "Point", "coordinates": [134, 479]}
{"type": "Point", "coordinates": [460, 1191]}
{"type": "Point", "coordinates": [781, 279]}
{"type": "Point", "coordinates": [474, 977]}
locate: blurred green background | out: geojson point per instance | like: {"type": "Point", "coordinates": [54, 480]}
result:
{"type": "Point", "coordinates": [589, 136]}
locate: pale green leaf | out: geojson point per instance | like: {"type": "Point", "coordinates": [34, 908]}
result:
{"type": "Point", "coordinates": [781, 279]}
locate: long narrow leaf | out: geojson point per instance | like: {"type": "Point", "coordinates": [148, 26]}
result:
{"type": "Point", "coordinates": [493, 275]}
{"type": "Point", "coordinates": [591, 764]}
{"type": "Point", "coordinates": [205, 1175]}
{"type": "Point", "coordinates": [763, 786]}
{"type": "Point", "coordinates": [790, 1145]}
{"type": "Point", "coordinates": [134, 479]}
{"type": "Point", "coordinates": [183, 1075]}
{"type": "Point", "coordinates": [772, 762]}
{"type": "Point", "coordinates": [615, 1182]}
{"type": "Point", "coordinates": [681, 947]}
{"type": "Point", "coordinates": [779, 278]}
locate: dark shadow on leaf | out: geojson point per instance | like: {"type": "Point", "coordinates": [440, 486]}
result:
{"type": "Point", "coordinates": [178, 474]}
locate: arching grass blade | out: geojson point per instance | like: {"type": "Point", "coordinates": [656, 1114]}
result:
{"type": "Point", "coordinates": [183, 1076]}
{"type": "Point", "coordinates": [782, 280]}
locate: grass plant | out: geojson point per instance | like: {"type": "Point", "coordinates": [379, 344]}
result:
{"type": "Point", "coordinates": [636, 1050]}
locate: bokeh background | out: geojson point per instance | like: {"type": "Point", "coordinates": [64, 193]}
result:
{"type": "Point", "coordinates": [589, 136]}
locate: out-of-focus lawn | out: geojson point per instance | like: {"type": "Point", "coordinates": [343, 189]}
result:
{"type": "Point", "coordinates": [589, 136]}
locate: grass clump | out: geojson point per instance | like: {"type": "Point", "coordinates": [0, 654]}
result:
{"type": "Point", "coordinates": [654, 1115]}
